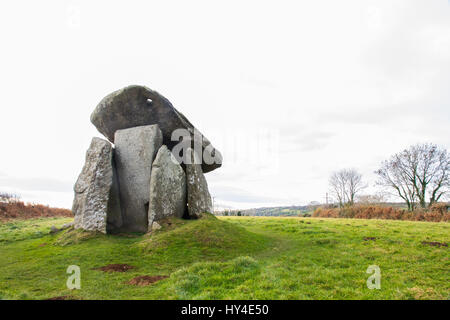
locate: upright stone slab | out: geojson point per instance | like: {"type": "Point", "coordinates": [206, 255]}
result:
{"type": "Point", "coordinates": [95, 192]}
{"type": "Point", "coordinates": [135, 106]}
{"type": "Point", "coordinates": [167, 187]}
{"type": "Point", "coordinates": [199, 199]}
{"type": "Point", "coordinates": [114, 218]}
{"type": "Point", "coordinates": [135, 152]}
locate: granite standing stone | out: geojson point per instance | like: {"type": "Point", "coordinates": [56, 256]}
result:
{"type": "Point", "coordinates": [94, 190]}
{"type": "Point", "coordinates": [114, 218]}
{"type": "Point", "coordinates": [135, 152]}
{"type": "Point", "coordinates": [198, 197]}
{"type": "Point", "coordinates": [167, 187]}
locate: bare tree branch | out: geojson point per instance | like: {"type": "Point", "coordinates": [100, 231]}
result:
{"type": "Point", "coordinates": [417, 172]}
{"type": "Point", "coordinates": [345, 185]}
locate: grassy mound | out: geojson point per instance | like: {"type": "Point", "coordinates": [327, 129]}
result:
{"type": "Point", "coordinates": [206, 238]}
{"type": "Point", "coordinates": [214, 280]}
{"type": "Point", "coordinates": [72, 236]}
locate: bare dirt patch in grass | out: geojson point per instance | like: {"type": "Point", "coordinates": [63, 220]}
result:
{"type": "Point", "coordinates": [62, 298]}
{"type": "Point", "coordinates": [145, 280]}
{"type": "Point", "coordinates": [370, 238]}
{"type": "Point", "coordinates": [434, 244]}
{"type": "Point", "coordinates": [128, 235]}
{"type": "Point", "coordinates": [118, 267]}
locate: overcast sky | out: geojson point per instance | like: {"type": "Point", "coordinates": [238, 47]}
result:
{"type": "Point", "coordinates": [288, 91]}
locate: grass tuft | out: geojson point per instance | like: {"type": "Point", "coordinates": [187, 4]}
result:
{"type": "Point", "coordinates": [72, 236]}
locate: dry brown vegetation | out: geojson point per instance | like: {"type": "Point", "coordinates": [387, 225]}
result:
{"type": "Point", "coordinates": [20, 210]}
{"type": "Point", "coordinates": [145, 280]}
{"type": "Point", "coordinates": [118, 267]}
{"type": "Point", "coordinates": [437, 212]}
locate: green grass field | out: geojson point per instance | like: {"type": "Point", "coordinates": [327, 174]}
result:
{"type": "Point", "coordinates": [230, 258]}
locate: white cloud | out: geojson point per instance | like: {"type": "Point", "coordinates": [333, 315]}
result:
{"type": "Point", "coordinates": [344, 83]}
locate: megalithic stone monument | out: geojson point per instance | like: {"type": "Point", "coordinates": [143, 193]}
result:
{"type": "Point", "coordinates": [134, 179]}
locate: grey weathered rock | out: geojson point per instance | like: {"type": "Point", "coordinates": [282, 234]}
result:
{"type": "Point", "coordinates": [199, 199]}
{"type": "Point", "coordinates": [167, 187]}
{"type": "Point", "coordinates": [114, 217]}
{"type": "Point", "coordinates": [67, 225]}
{"type": "Point", "coordinates": [135, 152]}
{"type": "Point", "coordinates": [155, 226]}
{"type": "Point", "coordinates": [93, 188]}
{"type": "Point", "coordinates": [135, 106]}
{"type": "Point", "coordinates": [54, 229]}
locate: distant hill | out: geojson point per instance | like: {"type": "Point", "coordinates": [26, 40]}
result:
{"type": "Point", "coordinates": [288, 211]}
{"type": "Point", "coordinates": [268, 211]}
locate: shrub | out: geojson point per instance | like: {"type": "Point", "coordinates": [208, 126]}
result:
{"type": "Point", "coordinates": [20, 210]}
{"type": "Point", "coordinates": [442, 208]}
{"type": "Point", "coordinates": [436, 213]}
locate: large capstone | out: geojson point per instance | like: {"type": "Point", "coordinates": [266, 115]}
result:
{"type": "Point", "coordinates": [96, 194]}
{"type": "Point", "coordinates": [135, 152]}
{"type": "Point", "coordinates": [167, 187]}
{"type": "Point", "coordinates": [135, 106]}
{"type": "Point", "coordinates": [198, 197]}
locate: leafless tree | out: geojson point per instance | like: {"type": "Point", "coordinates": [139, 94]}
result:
{"type": "Point", "coordinates": [337, 186]}
{"type": "Point", "coordinates": [433, 173]}
{"type": "Point", "coordinates": [416, 173]}
{"type": "Point", "coordinates": [392, 176]}
{"type": "Point", "coordinates": [9, 197]}
{"type": "Point", "coordinates": [345, 185]}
